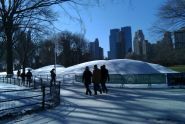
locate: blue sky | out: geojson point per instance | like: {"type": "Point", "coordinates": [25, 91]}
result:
{"type": "Point", "coordinates": [99, 19]}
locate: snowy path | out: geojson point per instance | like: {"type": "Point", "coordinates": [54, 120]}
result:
{"type": "Point", "coordinates": [120, 106]}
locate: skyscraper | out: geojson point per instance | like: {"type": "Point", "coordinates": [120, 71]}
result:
{"type": "Point", "coordinates": [140, 44]}
{"type": "Point", "coordinates": [127, 39]}
{"type": "Point", "coordinates": [113, 40]}
{"type": "Point", "coordinates": [96, 52]}
{"type": "Point", "coordinates": [120, 43]}
{"type": "Point", "coordinates": [180, 38]}
{"type": "Point", "coordinates": [167, 39]}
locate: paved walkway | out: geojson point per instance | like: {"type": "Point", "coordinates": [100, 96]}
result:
{"type": "Point", "coordinates": [119, 106]}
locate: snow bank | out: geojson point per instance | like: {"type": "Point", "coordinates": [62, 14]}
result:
{"type": "Point", "coordinates": [121, 66]}
{"type": "Point", "coordinates": [116, 66]}
{"type": "Point", "coordinates": [46, 70]}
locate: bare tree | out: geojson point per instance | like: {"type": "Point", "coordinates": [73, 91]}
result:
{"type": "Point", "coordinates": [35, 14]}
{"type": "Point", "coordinates": [73, 47]}
{"type": "Point", "coordinates": [46, 52]}
{"type": "Point", "coordinates": [171, 16]}
{"type": "Point", "coordinates": [24, 48]}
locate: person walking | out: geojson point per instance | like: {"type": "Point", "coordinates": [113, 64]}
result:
{"type": "Point", "coordinates": [29, 77]}
{"type": "Point", "coordinates": [104, 78]}
{"type": "Point", "coordinates": [86, 78]}
{"type": "Point", "coordinates": [18, 73]}
{"type": "Point", "coordinates": [53, 77]}
{"type": "Point", "coordinates": [53, 80]}
{"type": "Point", "coordinates": [23, 75]}
{"type": "Point", "coordinates": [96, 79]}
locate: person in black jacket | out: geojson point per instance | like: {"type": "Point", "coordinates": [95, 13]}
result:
{"type": "Point", "coordinates": [53, 77]}
{"type": "Point", "coordinates": [87, 75]}
{"type": "Point", "coordinates": [29, 77]}
{"type": "Point", "coordinates": [23, 75]}
{"type": "Point", "coordinates": [18, 73]}
{"type": "Point", "coordinates": [104, 78]}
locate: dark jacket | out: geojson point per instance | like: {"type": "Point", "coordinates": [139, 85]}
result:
{"type": "Point", "coordinates": [29, 75]}
{"type": "Point", "coordinates": [53, 75]}
{"type": "Point", "coordinates": [18, 73]}
{"type": "Point", "coordinates": [104, 74]}
{"type": "Point", "coordinates": [96, 78]}
{"type": "Point", "coordinates": [23, 75]}
{"type": "Point", "coordinates": [87, 75]}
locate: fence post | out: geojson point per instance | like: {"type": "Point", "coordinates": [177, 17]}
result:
{"type": "Point", "coordinates": [59, 93]}
{"type": "Point", "coordinates": [43, 97]}
{"type": "Point", "coordinates": [47, 78]}
{"type": "Point", "coordinates": [19, 80]}
{"type": "Point", "coordinates": [166, 75]}
{"type": "Point", "coordinates": [122, 78]}
{"type": "Point", "coordinates": [74, 80]}
{"type": "Point", "coordinates": [41, 82]}
{"type": "Point", "coordinates": [34, 85]}
{"type": "Point", "coordinates": [150, 83]}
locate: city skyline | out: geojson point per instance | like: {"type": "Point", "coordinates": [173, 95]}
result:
{"type": "Point", "coordinates": [99, 20]}
{"type": "Point", "coordinates": [120, 41]}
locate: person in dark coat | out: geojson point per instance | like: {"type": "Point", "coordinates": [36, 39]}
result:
{"type": "Point", "coordinates": [86, 78]}
{"type": "Point", "coordinates": [53, 77]}
{"type": "Point", "coordinates": [104, 78]}
{"type": "Point", "coordinates": [18, 73]}
{"type": "Point", "coordinates": [29, 77]}
{"type": "Point", "coordinates": [23, 75]}
{"type": "Point", "coordinates": [96, 79]}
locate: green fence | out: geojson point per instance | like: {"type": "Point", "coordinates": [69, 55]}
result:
{"type": "Point", "coordinates": [133, 78]}
{"type": "Point", "coordinates": [144, 79]}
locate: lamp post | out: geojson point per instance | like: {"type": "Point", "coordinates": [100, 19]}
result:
{"type": "Point", "coordinates": [55, 52]}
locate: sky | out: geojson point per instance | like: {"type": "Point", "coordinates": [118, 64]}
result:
{"type": "Point", "coordinates": [110, 14]}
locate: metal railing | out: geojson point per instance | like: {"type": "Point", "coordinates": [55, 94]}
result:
{"type": "Point", "coordinates": [14, 101]}
{"type": "Point", "coordinates": [40, 94]}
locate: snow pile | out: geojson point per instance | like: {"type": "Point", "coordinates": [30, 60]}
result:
{"type": "Point", "coordinates": [46, 70]}
{"type": "Point", "coordinates": [121, 66]}
{"type": "Point", "coordinates": [116, 66]}
{"type": "Point", "coordinates": [162, 69]}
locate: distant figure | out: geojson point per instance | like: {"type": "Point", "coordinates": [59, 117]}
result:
{"type": "Point", "coordinates": [23, 75]}
{"type": "Point", "coordinates": [96, 79]}
{"type": "Point", "coordinates": [29, 77]}
{"type": "Point", "coordinates": [87, 75]}
{"type": "Point", "coordinates": [18, 73]}
{"type": "Point", "coordinates": [104, 78]}
{"type": "Point", "coordinates": [53, 77]}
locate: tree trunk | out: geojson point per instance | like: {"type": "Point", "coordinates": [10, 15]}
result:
{"type": "Point", "coordinates": [9, 53]}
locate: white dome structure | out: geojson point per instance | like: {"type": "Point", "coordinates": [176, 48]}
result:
{"type": "Point", "coordinates": [121, 66]}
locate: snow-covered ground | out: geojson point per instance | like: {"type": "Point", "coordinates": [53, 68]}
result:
{"type": "Point", "coordinates": [119, 106]}
{"type": "Point", "coordinates": [136, 105]}
{"type": "Point", "coordinates": [18, 93]}
{"type": "Point", "coordinates": [4, 87]}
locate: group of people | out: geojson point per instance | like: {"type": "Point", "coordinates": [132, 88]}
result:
{"type": "Point", "coordinates": [99, 77]}
{"type": "Point", "coordinates": [27, 76]}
